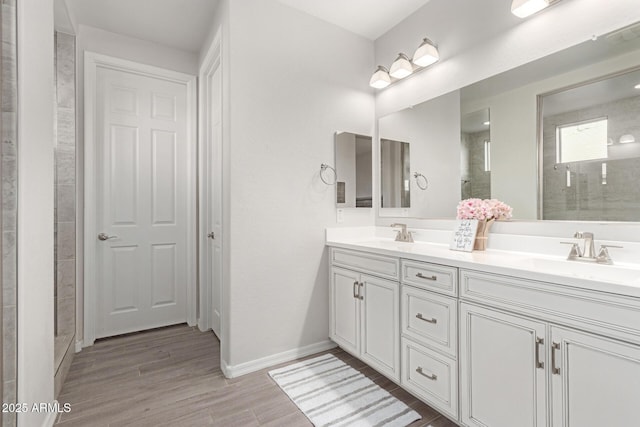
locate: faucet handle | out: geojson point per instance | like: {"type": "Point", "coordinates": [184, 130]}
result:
{"type": "Point", "coordinates": [603, 255]}
{"type": "Point", "coordinates": [575, 251]}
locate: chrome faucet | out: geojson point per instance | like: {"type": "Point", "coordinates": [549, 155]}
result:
{"type": "Point", "coordinates": [403, 235]}
{"type": "Point", "coordinates": [588, 252]}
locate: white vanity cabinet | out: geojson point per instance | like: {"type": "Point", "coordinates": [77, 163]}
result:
{"type": "Point", "coordinates": [429, 320]}
{"type": "Point", "coordinates": [364, 309]}
{"type": "Point", "coordinates": [530, 360]}
{"type": "Point", "coordinates": [487, 346]}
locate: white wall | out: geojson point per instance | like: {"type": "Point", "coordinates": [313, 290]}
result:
{"type": "Point", "coordinates": [294, 81]}
{"type": "Point", "coordinates": [119, 46]}
{"type": "Point", "coordinates": [486, 40]}
{"type": "Point", "coordinates": [432, 130]}
{"type": "Point", "coordinates": [35, 207]}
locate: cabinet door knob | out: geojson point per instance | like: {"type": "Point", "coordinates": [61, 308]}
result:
{"type": "Point", "coordinates": [421, 317]}
{"type": "Point", "coordinates": [432, 377]}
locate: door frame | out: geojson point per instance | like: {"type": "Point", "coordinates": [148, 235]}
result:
{"type": "Point", "coordinates": [93, 61]}
{"type": "Point", "coordinates": [207, 175]}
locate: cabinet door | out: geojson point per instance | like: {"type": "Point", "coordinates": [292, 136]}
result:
{"type": "Point", "coordinates": [344, 309]}
{"type": "Point", "coordinates": [502, 369]}
{"type": "Point", "coordinates": [598, 383]}
{"type": "Point", "coordinates": [381, 325]}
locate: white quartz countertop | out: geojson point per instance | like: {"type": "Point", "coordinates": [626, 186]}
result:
{"type": "Point", "coordinates": [620, 279]}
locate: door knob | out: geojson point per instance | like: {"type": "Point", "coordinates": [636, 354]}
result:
{"type": "Point", "coordinates": [104, 236]}
{"type": "Point", "coordinates": [211, 235]}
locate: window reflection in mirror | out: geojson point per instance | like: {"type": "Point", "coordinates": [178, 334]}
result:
{"type": "Point", "coordinates": [591, 150]}
{"type": "Point", "coordinates": [475, 155]}
{"type": "Point", "coordinates": [353, 170]}
{"type": "Point", "coordinates": [395, 173]}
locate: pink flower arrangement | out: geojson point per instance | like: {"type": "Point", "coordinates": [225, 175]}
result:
{"type": "Point", "coordinates": [483, 209]}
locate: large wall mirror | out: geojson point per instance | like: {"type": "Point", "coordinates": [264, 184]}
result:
{"type": "Point", "coordinates": [591, 150]}
{"type": "Point", "coordinates": [354, 182]}
{"type": "Point", "coordinates": [508, 162]}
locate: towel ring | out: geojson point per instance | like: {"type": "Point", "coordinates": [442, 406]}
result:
{"type": "Point", "coordinates": [422, 186]}
{"type": "Point", "coordinates": [323, 168]}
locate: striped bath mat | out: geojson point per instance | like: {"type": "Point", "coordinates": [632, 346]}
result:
{"type": "Point", "coordinates": [331, 393]}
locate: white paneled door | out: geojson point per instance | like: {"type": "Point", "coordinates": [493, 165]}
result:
{"type": "Point", "coordinates": [142, 187]}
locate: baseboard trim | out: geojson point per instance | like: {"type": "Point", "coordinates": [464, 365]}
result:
{"type": "Point", "coordinates": [78, 346]}
{"type": "Point", "coordinates": [51, 417]}
{"type": "Point", "coordinates": [232, 371]}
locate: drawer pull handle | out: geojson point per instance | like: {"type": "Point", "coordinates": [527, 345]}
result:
{"type": "Point", "coordinates": [422, 276]}
{"type": "Point", "coordinates": [432, 320]}
{"type": "Point", "coordinates": [539, 342]}
{"type": "Point", "coordinates": [432, 377]}
{"type": "Point", "coordinates": [355, 289]}
{"type": "Point", "coordinates": [554, 368]}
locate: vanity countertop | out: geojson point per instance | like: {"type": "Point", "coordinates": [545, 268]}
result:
{"type": "Point", "coordinates": [620, 279]}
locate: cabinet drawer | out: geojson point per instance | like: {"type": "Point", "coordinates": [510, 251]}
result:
{"type": "Point", "coordinates": [377, 265]}
{"type": "Point", "coordinates": [430, 319]}
{"type": "Point", "coordinates": [430, 376]}
{"type": "Point", "coordinates": [433, 277]}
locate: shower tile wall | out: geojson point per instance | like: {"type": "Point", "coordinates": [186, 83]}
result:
{"type": "Point", "coordinates": [65, 206]}
{"type": "Point", "coordinates": [476, 182]}
{"type": "Point", "coordinates": [9, 203]}
{"type": "Point", "coordinates": [589, 197]}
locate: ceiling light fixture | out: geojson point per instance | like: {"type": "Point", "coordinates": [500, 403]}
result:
{"type": "Point", "coordinates": [426, 54]}
{"type": "Point", "coordinates": [380, 78]}
{"type": "Point", "coordinates": [524, 8]}
{"type": "Point", "coordinates": [627, 139]}
{"type": "Point", "coordinates": [401, 67]}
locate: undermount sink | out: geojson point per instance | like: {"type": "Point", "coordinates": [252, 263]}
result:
{"type": "Point", "coordinates": [598, 272]}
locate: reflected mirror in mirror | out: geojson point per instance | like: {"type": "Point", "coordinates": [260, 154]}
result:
{"type": "Point", "coordinates": [354, 179]}
{"type": "Point", "coordinates": [475, 155]}
{"type": "Point", "coordinates": [395, 172]}
{"type": "Point", "coordinates": [433, 128]}
{"type": "Point", "coordinates": [591, 150]}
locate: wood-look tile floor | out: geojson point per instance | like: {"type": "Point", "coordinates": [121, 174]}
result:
{"type": "Point", "coordinates": [171, 377]}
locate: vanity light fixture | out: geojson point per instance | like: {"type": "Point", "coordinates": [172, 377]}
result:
{"type": "Point", "coordinates": [401, 67]}
{"type": "Point", "coordinates": [637, 86]}
{"type": "Point", "coordinates": [426, 54]}
{"type": "Point", "coordinates": [524, 8]}
{"type": "Point", "coordinates": [627, 139]}
{"type": "Point", "coordinates": [380, 78]}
